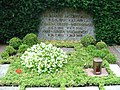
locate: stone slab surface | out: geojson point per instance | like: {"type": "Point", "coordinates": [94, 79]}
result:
{"type": "Point", "coordinates": [65, 24]}
{"type": "Point", "coordinates": [90, 72]}
{"type": "Point", "coordinates": [3, 69]}
{"type": "Point", "coordinates": [9, 88]}
{"type": "Point", "coordinates": [115, 87]}
{"type": "Point", "coordinates": [42, 88]}
{"type": "Point", "coordinates": [116, 69]}
{"type": "Point", "coordinates": [71, 88]}
{"type": "Point", "coordinates": [68, 49]}
{"type": "Point", "coordinates": [83, 88]}
{"type": "Point", "coordinates": [118, 49]}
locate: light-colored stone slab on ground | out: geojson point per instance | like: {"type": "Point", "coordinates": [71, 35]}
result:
{"type": "Point", "coordinates": [118, 49]}
{"type": "Point", "coordinates": [9, 88]}
{"type": "Point", "coordinates": [3, 69]}
{"type": "Point", "coordinates": [71, 88]}
{"type": "Point", "coordinates": [83, 88]}
{"type": "Point", "coordinates": [115, 87]}
{"type": "Point", "coordinates": [90, 72]}
{"type": "Point", "coordinates": [42, 88]}
{"type": "Point", "coordinates": [116, 69]}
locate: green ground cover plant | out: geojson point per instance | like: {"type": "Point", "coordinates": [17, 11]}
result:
{"type": "Point", "coordinates": [72, 74]}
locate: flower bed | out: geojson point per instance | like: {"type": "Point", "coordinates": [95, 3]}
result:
{"type": "Point", "coordinates": [44, 58]}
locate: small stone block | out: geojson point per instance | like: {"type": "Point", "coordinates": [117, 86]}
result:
{"type": "Point", "coordinates": [91, 73]}
{"type": "Point", "coordinates": [3, 69]}
{"type": "Point", "coordinates": [83, 88]}
{"type": "Point", "coordinates": [115, 87]}
{"type": "Point", "coordinates": [116, 69]}
{"type": "Point", "coordinates": [42, 88]}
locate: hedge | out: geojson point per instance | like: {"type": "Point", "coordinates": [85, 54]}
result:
{"type": "Point", "coordinates": [19, 17]}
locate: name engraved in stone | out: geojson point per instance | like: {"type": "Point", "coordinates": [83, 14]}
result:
{"type": "Point", "coordinates": [66, 24]}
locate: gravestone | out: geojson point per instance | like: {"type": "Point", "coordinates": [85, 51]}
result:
{"type": "Point", "coordinates": [67, 24]}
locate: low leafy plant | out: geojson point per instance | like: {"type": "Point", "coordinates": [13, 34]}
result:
{"type": "Point", "coordinates": [88, 40]}
{"type": "Point", "coordinates": [4, 55]}
{"type": "Point", "coordinates": [23, 48]}
{"type": "Point", "coordinates": [101, 45]}
{"type": "Point", "coordinates": [91, 48]}
{"type": "Point", "coordinates": [15, 42]}
{"type": "Point", "coordinates": [30, 39]}
{"type": "Point", "coordinates": [44, 58]}
{"type": "Point", "coordinates": [105, 50]}
{"type": "Point", "coordinates": [10, 50]}
{"type": "Point", "coordinates": [111, 58]}
{"type": "Point", "coordinates": [98, 53]}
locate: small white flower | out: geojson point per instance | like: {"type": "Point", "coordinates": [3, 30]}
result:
{"type": "Point", "coordinates": [44, 57]}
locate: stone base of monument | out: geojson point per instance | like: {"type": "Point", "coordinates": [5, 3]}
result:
{"type": "Point", "coordinates": [90, 72]}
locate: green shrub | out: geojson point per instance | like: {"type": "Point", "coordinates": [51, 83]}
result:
{"type": "Point", "coordinates": [88, 40]}
{"type": "Point", "coordinates": [91, 48]}
{"type": "Point", "coordinates": [98, 53]}
{"type": "Point", "coordinates": [111, 58]}
{"type": "Point", "coordinates": [15, 42]}
{"type": "Point", "coordinates": [10, 50]}
{"type": "Point", "coordinates": [106, 51]}
{"type": "Point", "coordinates": [4, 55]}
{"type": "Point", "coordinates": [101, 45]}
{"type": "Point", "coordinates": [30, 39]}
{"type": "Point", "coordinates": [23, 48]}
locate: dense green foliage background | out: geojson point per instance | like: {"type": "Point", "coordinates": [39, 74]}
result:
{"type": "Point", "coordinates": [19, 17]}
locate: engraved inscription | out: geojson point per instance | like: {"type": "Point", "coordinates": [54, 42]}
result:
{"type": "Point", "coordinates": [65, 24]}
